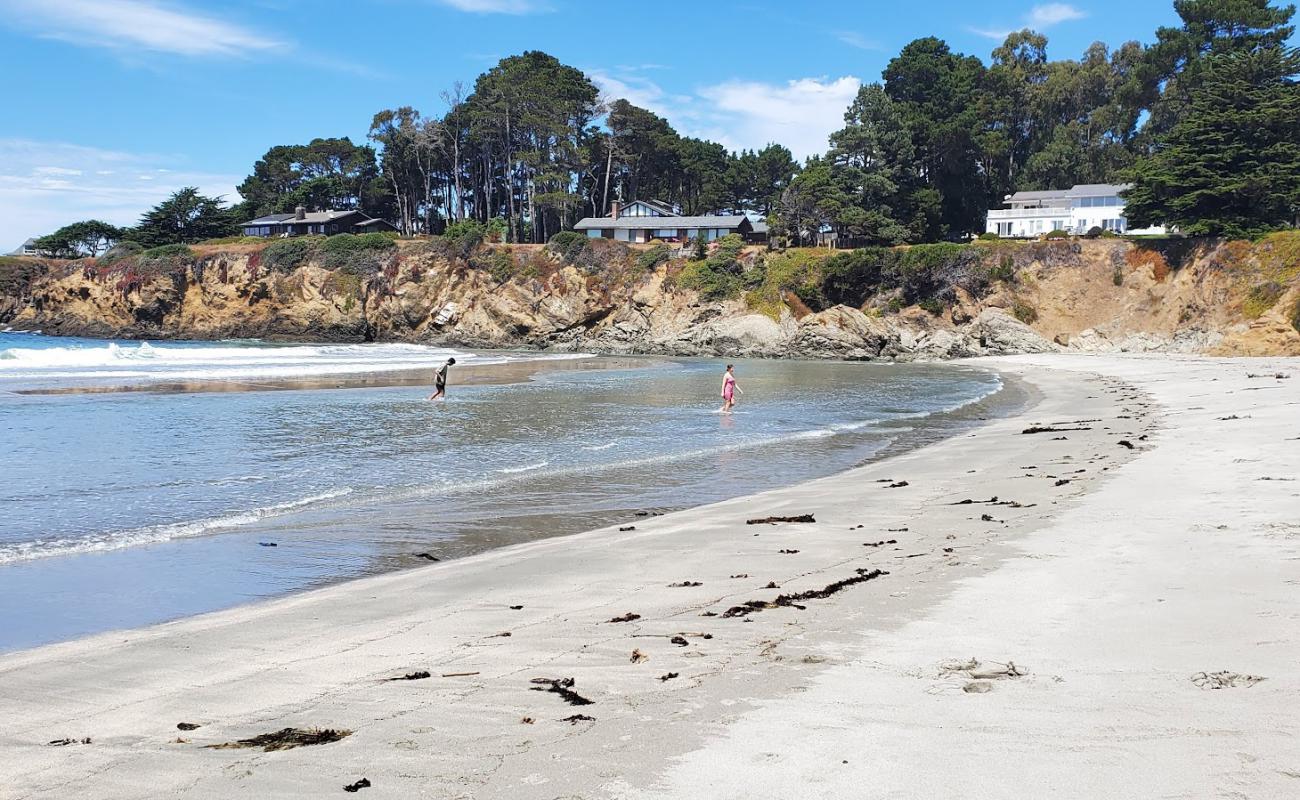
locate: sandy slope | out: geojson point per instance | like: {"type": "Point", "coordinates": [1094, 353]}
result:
{"type": "Point", "coordinates": [1186, 561]}
{"type": "Point", "coordinates": [1110, 591]}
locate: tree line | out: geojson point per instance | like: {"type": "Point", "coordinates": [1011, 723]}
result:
{"type": "Point", "coordinates": [1204, 122]}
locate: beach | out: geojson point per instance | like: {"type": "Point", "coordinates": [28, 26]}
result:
{"type": "Point", "coordinates": [1092, 596]}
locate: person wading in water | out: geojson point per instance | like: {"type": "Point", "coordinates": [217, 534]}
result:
{"type": "Point", "coordinates": [440, 380]}
{"type": "Point", "coordinates": [729, 389]}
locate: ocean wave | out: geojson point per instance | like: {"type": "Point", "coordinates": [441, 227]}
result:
{"type": "Point", "coordinates": [228, 360]}
{"type": "Point", "coordinates": [525, 468]}
{"type": "Point", "coordinates": [597, 447]}
{"type": "Point", "coordinates": [154, 534]}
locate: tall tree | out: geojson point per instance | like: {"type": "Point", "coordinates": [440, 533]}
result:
{"type": "Point", "coordinates": [323, 174]}
{"type": "Point", "coordinates": [87, 238]}
{"type": "Point", "coordinates": [1230, 166]}
{"type": "Point", "coordinates": [411, 149]}
{"type": "Point", "coordinates": [535, 113]}
{"type": "Point", "coordinates": [937, 93]}
{"type": "Point", "coordinates": [1176, 63]}
{"type": "Point", "coordinates": [875, 157]}
{"type": "Point", "coordinates": [185, 217]}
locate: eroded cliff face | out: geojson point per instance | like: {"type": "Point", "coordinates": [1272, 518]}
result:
{"type": "Point", "coordinates": [1084, 295]}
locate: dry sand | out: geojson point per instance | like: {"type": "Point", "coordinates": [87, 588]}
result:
{"type": "Point", "coordinates": [1110, 577]}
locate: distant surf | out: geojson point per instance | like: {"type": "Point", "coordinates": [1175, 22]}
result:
{"type": "Point", "coordinates": [82, 361]}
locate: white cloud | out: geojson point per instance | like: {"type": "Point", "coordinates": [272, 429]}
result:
{"type": "Point", "coordinates": [136, 25]}
{"type": "Point", "coordinates": [45, 185]}
{"type": "Point", "coordinates": [497, 6]}
{"type": "Point", "coordinates": [1039, 18]}
{"type": "Point", "coordinates": [1045, 16]}
{"type": "Point", "coordinates": [854, 39]}
{"type": "Point", "coordinates": [800, 114]}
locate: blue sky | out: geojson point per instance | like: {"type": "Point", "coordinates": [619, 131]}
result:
{"type": "Point", "coordinates": [111, 104]}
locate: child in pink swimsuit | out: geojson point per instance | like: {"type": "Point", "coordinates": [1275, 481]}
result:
{"type": "Point", "coordinates": [729, 389]}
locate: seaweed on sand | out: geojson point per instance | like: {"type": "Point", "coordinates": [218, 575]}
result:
{"type": "Point", "coordinates": [286, 739]}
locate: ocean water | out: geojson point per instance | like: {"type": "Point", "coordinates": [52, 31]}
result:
{"type": "Point", "coordinates": [125, 508]}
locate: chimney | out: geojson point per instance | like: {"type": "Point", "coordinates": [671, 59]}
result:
{"type": "Point", "coordinates": [300, 212]}
{"type": "Point", "coordinates": [614, 208]}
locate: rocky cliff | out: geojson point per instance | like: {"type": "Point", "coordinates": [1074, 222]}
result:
{"type": "Point", "coordinates": [1094, 295]}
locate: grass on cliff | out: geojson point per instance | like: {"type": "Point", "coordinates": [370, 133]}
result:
{"type": "Point", "coordinates": [364, 254]}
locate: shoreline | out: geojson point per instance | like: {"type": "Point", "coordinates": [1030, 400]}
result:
{"type": "Point", "coordinates": [1005, 397]}
{"type": "Point", "coordinates": [320, 658]}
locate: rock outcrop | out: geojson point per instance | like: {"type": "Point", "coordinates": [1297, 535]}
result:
{"type": "Point", "coordinates": [1092, 296]}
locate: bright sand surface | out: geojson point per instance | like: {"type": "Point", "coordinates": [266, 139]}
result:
{"type": "Point", "coordinates": [1111, 577]}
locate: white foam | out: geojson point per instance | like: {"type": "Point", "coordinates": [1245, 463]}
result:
{"type": "Point", "coordinates": [525, 468]}
{"type": "Point", "coordinates": [595, 447]}
{"type": "Point", "coordinates": [150, 362]}
{"type": "Point", "coordinates": [119, 540]}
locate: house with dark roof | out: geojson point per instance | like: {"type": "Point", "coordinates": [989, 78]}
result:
{"type": "Point", "coordinates": [326, 223]}
{"type": "Point", "coordinates": [645, 220]}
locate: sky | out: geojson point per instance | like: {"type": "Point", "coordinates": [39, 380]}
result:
{"type": "Point", "coordinates": [110, 105]}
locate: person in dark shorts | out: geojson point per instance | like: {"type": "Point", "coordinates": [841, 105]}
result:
{"type": "Point", "coordinates": [440, 380]}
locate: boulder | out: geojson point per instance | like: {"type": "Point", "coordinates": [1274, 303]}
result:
{"type": "Point", "coordinates": [999, 333]}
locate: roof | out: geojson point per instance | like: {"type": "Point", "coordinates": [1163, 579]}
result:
{"type": "Point", "coordinates": [269, 219]}
{"type": "Point", "coordinates": [375, 221]}
{"type": "Point", "coordinates": [1078, 190]}
{"type": "Point", "coordinates": [657, 205]}
{"type": "Point", "coordinates": [644, 223]}
{"type": "Point", "coordinates": [1091, 189]}
{"type": "Point", "coordinates": [759, 227]}
{"type": "Point", "coordinates": [310, 218]}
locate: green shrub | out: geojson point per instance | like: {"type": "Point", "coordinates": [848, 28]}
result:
{"type": "Point", "coordinates": [1295, 316]}
{"type": "Point", "coordinates": [896, 304]}
{"type": "Point", "coordinates": [709, 282]}
{"type": "Point", "coordinates": [989, 236]}
{"type": "Point", "coordinates": [1024, 312]}
{"type": "Point", "coordinates": [567, 245]}
{"type": "Point", "coordinates": [165, 259]}
{"type": "Point", "coordinates": [932, 305]}
{"type": "Point", "coordinates": [1057, 234]}
{"type": "Point", "coordinates": [1261, 298]}
{"type": "Point", "coordinates": [168, 251]}
{"type": "Point", "coordinates": [1004, 270]}
{"type": "Point", "coordinates": [499, 263]}
{"type": "Point", "coordinates": [461, 239]}
{"type": "Point", "coordinates": [599, 256]}
{"type": "Point", "coordinates": [648, 260]}
{"type": "Point", "coordinates": [797, 272]}
{"type": "Point", "coordinates": [286, 255]}
{"type": "Point", "coordinates": [720, 275]}
{"type": "Point", "coordinates": [1117, 275]}
{"type": "Point", "coordinates": [464, 227]}
{"type": "Point", "coordinates": [366, 254]}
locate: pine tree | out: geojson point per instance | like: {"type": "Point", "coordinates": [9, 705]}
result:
{"type": "Point", "coordinates": [1231, 164]}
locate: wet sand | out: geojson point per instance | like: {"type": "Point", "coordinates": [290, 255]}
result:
{"type": "Point", "coordinates": [1060, 634]}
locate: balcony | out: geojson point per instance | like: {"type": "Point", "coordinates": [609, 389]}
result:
{"type": "Point", "coordinates": [1057, 212]}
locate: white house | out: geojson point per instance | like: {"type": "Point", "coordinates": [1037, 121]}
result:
{"type": "Point", "coordinates": [642, 221]}
{"type": "Point", "coordinates": [1076, 210]}
{"type": "Point", "coordinates": [28, 248]}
